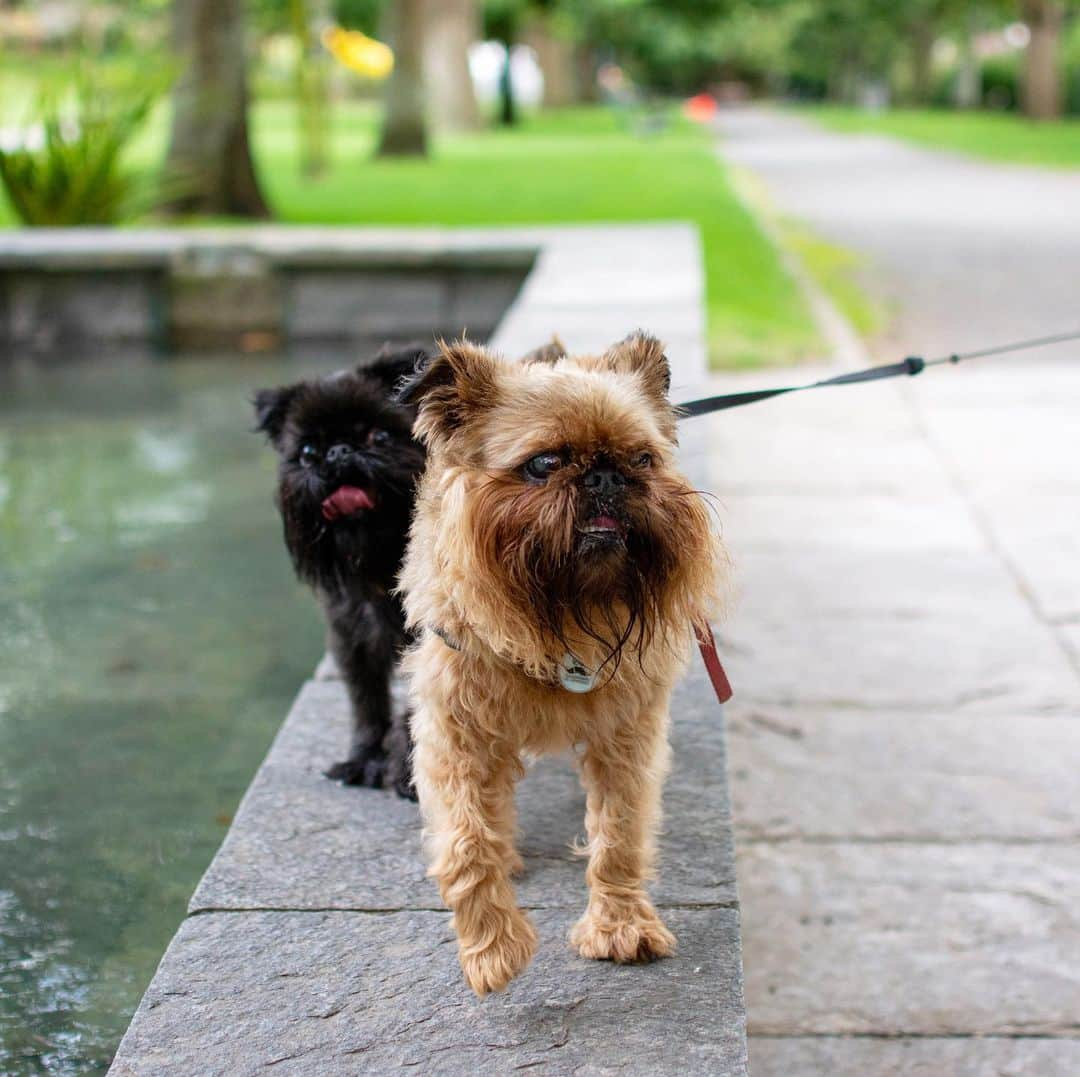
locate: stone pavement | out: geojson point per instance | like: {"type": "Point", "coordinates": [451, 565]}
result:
{"type": "Point", "coordinates": [905, 739]}
{"type": "Point", "coordinates": [315, 944]}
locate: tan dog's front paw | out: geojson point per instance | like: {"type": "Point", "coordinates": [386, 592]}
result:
{"type": "Point", "coordinates": [625, 935]}
{"type": "Point", "coordinates": [491, 966]}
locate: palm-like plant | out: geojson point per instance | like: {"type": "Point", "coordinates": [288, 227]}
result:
{"type": "Point", "coordinates": [68, 168]}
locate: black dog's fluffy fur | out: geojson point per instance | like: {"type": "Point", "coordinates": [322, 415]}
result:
{"type": "Point", "coordinates": [352, 562]}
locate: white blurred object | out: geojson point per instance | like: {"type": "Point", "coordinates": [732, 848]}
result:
{"type": "Point", "coordinates": [486, 60]}
{"type": "Point", "coordinates": [1017, 35]}
{"type": "Point", "coordinates": [13, 139]}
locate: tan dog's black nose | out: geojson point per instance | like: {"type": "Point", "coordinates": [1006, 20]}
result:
{"type": "Point", "coordinates": [604, 480]}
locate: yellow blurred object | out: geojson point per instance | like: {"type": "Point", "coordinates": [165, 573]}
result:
{"type": "Point", "coordinates": [358, 52]}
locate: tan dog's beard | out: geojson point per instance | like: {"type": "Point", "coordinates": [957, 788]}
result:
{"type": "Point", "coordinates": [611, 597]}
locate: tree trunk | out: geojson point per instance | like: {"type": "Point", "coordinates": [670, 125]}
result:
{"type": "Point", "coordinates": [209, 167]}
{"type": "Point", "coordinates": [507, 104]}
{"type": "Point", "coordinates": [311, 90]}
{"type": "Point", "coordinates": [451, 27]}
{"type": "Point", "coordinates": [1042, 96]}
{"type": "Point", "coordinates": [922, 55]}
{"type": "Point", "coordinates": [967, 91]}
{"type": "Point", "coordinates": [585, 65]}
{"type": "Point", "coordinates": [555, 55]}
{"type": "Point", "coordinates": [404, 131]}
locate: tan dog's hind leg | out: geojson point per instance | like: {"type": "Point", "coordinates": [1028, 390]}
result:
{"type": "Point", "coordinates": [623, 780]}
{"type": "Point", "coordinates": [466, 793]}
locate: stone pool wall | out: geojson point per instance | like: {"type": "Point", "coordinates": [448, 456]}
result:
{"type": "Point", "coordinates": [67, 293]}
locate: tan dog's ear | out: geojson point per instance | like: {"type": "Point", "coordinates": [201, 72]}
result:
{"type": "Point", "coordinates": [450, 389]}
{"type": "Point", "coordinates": [642, 354]}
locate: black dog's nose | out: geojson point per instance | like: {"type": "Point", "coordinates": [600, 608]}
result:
{"type": "Point", "coordinates": [338, 454]}
{"type": "Point", "coordinates": [604, 480]}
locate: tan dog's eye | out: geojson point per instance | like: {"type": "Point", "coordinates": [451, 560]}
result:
{"type": "Point", "coordinates": [643, 459]}
{"type": "Point", "coordinates": [542, 465]}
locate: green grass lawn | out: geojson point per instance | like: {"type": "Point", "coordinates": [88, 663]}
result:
{"type": "Point", "coordinates": [569, 167]}
{"type": "Point", "coordinates": [994, 135]}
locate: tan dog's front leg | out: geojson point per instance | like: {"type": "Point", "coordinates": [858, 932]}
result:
{"type": "Point", "coordinates": [623, 780]}
{"type": "Point", "coordinates": [466, 794]}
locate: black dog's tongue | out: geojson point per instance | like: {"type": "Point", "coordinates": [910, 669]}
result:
{"type": "Point", "coordinates": [347, 501]}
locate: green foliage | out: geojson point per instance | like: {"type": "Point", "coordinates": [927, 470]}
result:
{"type": "Point", "coordinates": [992, 135]}
{"type": "Point", "coordinates": [604, 174]}
{"type": "Point", "coordinates": [667, 46]}
{"type": "Point", "coordinates": [1001, 82]}
{"type": "Point", "coordinates": [69, 170]}
{"type": "Point", "coordinates": [273, 16]}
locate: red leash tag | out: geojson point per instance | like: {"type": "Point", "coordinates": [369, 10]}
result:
{"type": "Point", "coordinates": [721, 685]}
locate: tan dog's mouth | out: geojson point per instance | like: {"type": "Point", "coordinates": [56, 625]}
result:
{"type": "Point", "coordinates": [603, 530]}
{"type": "Point", "coordinates": [602, 525]}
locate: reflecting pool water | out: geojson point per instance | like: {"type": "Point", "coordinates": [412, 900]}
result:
{"type": "Point", "coordinates": [151, 637]}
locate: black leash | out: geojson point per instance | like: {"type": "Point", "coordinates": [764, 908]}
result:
{"type": "Point", "coordinates": [910, 367]}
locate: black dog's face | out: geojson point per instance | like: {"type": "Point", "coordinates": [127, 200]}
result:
{"type": "Point", "coordinates": [348, 470]}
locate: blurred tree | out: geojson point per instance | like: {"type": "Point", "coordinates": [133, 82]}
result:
{"type": "Point", "coordinates": [922, 21]}
{"type": "Point", "coordinates": [452, 26]}
{"type": "Point", "coordinates": [667, 45]}
{"type": "Point", "coordinates": [502, 23]}
{"type": "Point", "coordinates": [842, 44]}
{"type": "Point", "coordinates": [358, 14]}
{"type": "Point", "coordinates": [311, 88]}
{"type": "Point", "coordinates": [1043, 80]}
{"type": "Point", "coordinates": [275, 17]}
{"type": "Point", "coordinates": [404, 130]}
{"type": "Point", "coordinates": [549, 29]}
{"type": "Point", "coordinates": [209, 159]}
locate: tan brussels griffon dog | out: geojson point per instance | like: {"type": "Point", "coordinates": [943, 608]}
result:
{"type": "Point", "coordinates": [557, 563]}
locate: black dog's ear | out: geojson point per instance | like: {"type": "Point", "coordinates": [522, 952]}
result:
{"type": "Point", "coordinates": [391, 365]}
{"type": "Point", "coordinates": [549, 353]}
{"type": "Point", "coordinates": [271, 407]}
{"type": "Point", "coordinates": [450, 388]}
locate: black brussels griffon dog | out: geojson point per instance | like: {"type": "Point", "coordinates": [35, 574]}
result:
{"type": "Point", "coordinates": [346, 481]}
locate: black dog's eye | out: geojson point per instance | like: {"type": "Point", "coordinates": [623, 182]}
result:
{"type": "Point", "coordinates": [542, 465]}
{"type": "Point", "coordinates": [643, 459]}
{"type": "Point", "coordinates": [378, 437]}
{"type": "Point", "coordinates": [308, 455]}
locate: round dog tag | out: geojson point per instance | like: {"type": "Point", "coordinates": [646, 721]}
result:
{"type": "Point", "coordinates": [575, 677]}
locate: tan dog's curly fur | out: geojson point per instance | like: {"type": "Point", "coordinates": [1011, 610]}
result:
{"type": "Point", "coordinates": [516, 569]}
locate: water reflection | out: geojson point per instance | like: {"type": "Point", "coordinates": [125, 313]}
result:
{"type": "Point", "coordinates": [151, 637]}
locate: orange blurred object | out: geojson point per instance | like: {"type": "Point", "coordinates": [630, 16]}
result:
{"type": "Point", "coordinates": [700, 108]}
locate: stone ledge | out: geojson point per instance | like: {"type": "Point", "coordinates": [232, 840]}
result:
{"type": "Point", "coordinates": [347, 993]}
{"type": "Point", "coordinates": [97, 249]}
{"type": "Point", "coordinates": [295, 829]}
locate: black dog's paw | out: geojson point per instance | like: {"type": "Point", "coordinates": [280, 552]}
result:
{"type": "Point", "coordinates": [399, 774]}
{"type": "Point", "coordinates": [398, 745]}
{"type": "Point", "coordinates": [367, 768]}
{"type": "Point", "coordinates": [405, 788]}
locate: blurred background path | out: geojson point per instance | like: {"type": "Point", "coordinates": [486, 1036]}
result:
{"type": "Point", "coordinates": [966, 252]}
{"type": "Point", "coordinates": [905, 743]}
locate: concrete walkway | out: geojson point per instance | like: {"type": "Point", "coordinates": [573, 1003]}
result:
{"type": "Point", "coordinates": [905, 743]}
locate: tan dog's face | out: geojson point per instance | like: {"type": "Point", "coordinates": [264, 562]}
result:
{"type": "Point", "coordinates": [570, 502]}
